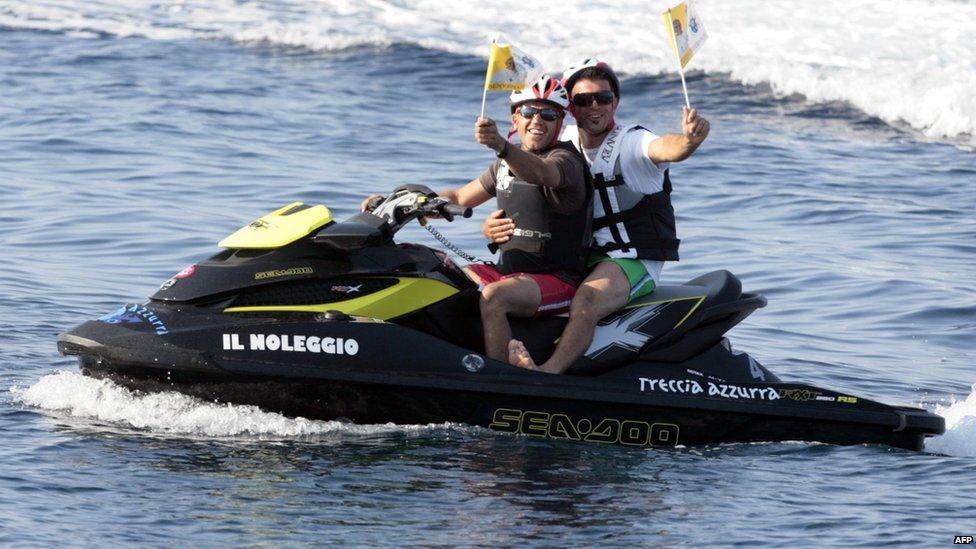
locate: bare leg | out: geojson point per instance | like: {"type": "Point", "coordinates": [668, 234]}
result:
{"type": "Point", "coordinates": [603, 292]}
{"type": "Point", "coordinates": [517, 296]}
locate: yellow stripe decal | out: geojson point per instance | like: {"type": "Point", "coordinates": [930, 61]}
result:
{"type": "Point", "coordinates": [700, 299]}
{"type": "Point", "coordinates": [694, 308]}
{"type": "Point", "coordinates": [406, 296]}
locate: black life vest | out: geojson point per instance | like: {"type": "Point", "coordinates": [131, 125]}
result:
{"type": "Point", "coordinates": [544, 240]}
{"type": "Point", "coordinates": [640, 226]}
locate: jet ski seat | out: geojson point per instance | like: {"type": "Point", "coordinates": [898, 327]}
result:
{"type": "Point", "coordinates": [724, 305]}
{"type": "Point", "coordinates": [722, 287]}
{"type": "Point", "coordinates": [714, 289]}
{"type": "Point", "coordinates": [683, 320]}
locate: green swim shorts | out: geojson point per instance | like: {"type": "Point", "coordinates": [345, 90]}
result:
{"type": "Point", "coordinates": [640, 280]}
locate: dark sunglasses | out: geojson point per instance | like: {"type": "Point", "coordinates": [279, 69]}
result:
{"type": "Point", "coordinates": [586, 99]}
{"type": "Point", "coordinates": [547, 113]}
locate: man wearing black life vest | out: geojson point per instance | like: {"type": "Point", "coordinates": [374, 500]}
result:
{"type": "Point", "coordinates": [633, 221]}
{"type": "Point", "coordinates": [544, 184]}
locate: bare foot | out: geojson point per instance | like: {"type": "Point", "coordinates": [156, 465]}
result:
{"type": "Point", "coordinates": [519, 356]}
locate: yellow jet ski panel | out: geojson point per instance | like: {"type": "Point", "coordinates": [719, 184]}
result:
{"type": "Point", "coordinates": [278, 228]}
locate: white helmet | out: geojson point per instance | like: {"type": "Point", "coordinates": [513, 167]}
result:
{"type": "Point", "coordinates": [599, 67]}
{"type": "Point", "coordinates": [545, 88]}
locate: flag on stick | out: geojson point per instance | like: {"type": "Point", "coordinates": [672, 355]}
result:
{"type": "Point", "coordinates": [686, 34]}
{"type": "Point", "coordinates": [685, 30]}
{"type": "Point", "coordinates": [509, 68]}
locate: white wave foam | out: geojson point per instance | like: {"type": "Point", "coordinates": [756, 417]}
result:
{"type": "Point", "coordinates": [910, 62]}
{"type": "Point", "coordinates": [177, 414]}
{"type": "Point", "coordinates": [960, 436]}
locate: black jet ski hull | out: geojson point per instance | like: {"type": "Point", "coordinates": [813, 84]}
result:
{"type": "Point", "coordinates": [365, 371]}
{"type": "Point", "coordinates": [546, 417]}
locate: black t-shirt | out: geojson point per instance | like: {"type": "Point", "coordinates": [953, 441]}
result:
{"type": "Point", "coordinates": [566, 197]}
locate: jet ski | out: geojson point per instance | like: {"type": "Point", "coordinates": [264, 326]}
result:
{"type": "Point", "coordinates": [307, 316]}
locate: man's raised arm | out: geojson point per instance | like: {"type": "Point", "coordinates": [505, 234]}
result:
{"type": "Point", "coordinates": [526, 166]}
{"type": "Point", "coordinates": [674, 147]}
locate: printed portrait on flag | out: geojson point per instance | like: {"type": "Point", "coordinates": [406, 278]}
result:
{"type": "Point", "coordinates": [680, 38]}
{"type": "Point", "coordinates": [509, 67]}
{"type": "Point", "coordinates": [511, 74]}
{"type": "Point", "coordinates": [685, 30]}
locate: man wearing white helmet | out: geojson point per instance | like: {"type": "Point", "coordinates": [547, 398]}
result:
{"type": "Point", "coordinates": [544, 184]}
{"type": "Point", "coordinates": [633, 220]}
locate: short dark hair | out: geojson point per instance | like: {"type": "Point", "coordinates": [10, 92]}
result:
{"type": "Point", "coordinates": [594, 73]}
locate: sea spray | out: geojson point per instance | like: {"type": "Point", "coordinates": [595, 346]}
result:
{"type": "Point", "coordinates": [960, 436]}
{"type": "Point", "coordinates": [173, 413]}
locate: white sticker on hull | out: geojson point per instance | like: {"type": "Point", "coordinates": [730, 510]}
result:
{"type": "Point", "coordinates": [291, 343]}
{"type": "Point", "coordinates": [693, 387]}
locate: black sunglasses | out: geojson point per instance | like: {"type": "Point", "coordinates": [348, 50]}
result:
{"type": "Point", "coordinates": [547, 113]}
{"type": "Point", "coordinates": [586, 99]}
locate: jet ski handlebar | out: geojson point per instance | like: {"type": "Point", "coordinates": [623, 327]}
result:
{"type": "Point", "coordinates": [385, 216]}
{"type": "Point", "coordinates": [408, 202]}
{"type": "Point", "coordinates": [450, 209]}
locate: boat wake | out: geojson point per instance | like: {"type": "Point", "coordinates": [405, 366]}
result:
{"type": "Point", "coordinates": [176, 414]}
{"type": "Point", "coordinates": [960, 435]}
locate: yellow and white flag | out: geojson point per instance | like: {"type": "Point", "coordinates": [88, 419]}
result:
{"type": "Point", "coordinates": [509, 68]}
{"type": "Point", "coordinates": [685, 30]}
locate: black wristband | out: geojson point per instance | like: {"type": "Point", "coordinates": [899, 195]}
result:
{"type": "Point", "coordinates": [504, 152]}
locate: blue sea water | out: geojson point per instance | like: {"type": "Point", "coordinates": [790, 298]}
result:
{"type": "Point", "coordinates": [125, 159]}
